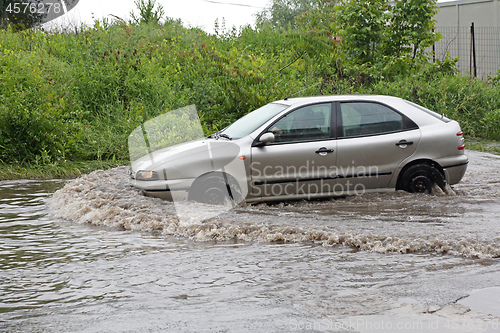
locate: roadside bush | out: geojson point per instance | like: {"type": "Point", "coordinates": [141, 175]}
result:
{"type": "Point", "coordinates": [37, 118]}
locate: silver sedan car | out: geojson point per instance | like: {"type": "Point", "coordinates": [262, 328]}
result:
{"type": "Point", "coordinates": [312, 147]}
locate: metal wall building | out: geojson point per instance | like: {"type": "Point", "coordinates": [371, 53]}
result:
{"type": "Point", "coordinates": [471, 32]}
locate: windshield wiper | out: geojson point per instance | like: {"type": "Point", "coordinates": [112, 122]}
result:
{"type": "Point", "coordinates": [215, 135]}
{"type": "Point", "coordinates": [218, 135]}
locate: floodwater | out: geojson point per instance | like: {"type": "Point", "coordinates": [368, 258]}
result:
{"type": "Point", "coordinates": [94, 255]}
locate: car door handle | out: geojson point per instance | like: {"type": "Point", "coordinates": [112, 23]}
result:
{"type": "Point", "coordinates": [323, 151]}
{"type": "Point", "coordinates": [404, 143]}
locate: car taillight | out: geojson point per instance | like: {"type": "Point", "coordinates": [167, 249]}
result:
{"type": "Point", "coordinates": [461, 140]}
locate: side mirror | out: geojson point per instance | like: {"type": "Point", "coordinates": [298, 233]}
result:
{"type": "Point", "coordinates": [264, 139]}
{"type": "Point", "coordinates": [267, 137]}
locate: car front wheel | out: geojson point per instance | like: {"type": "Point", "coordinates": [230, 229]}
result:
{"type": "Point", "coordinates": [421, 178]}
{"type": "Point", "coordinates": [215, 189]}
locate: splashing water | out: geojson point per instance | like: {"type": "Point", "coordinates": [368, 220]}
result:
{"type": "Point", "coordinates": [459, 221]}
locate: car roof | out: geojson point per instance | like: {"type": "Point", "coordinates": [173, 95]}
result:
{"type": "Point", "coordinates": [415, 114]}
{"type": "Point", "coordinates": [334, 98]}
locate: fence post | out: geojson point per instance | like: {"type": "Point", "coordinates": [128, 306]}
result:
{"type": "Point", "coordinates": [473, 67]}
{"type": "Point", "coordinates": [433, 50]}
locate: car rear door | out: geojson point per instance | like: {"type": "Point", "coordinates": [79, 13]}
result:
{"type": "Point", "coordinates": [373, 140]}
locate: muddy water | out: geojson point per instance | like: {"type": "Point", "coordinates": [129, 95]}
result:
{"type": "Point", "coordinates": [99, 256]}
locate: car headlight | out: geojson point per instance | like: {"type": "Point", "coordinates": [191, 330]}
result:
{"type": "Point", "coordinates": [146, 175]}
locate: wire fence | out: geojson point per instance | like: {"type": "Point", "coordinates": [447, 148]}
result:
{"type": "Point", "coordinates": [477, 49]}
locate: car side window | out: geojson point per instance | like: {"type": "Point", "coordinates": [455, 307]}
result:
{"type": "Point", "coordinates": [362, 118]}
{"type": "Point", "coordinates": [305, 124]}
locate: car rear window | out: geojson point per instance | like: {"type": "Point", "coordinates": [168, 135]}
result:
{"type": "Point", "coordinates": [432, 113]}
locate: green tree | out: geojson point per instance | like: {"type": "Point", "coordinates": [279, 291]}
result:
{"type": "Point", "coordinates": [387, 37]}
{"type": "Point", "coordinates": [320, 39]}
{"type": "Point", "coordinates": [147, 12]}
{"type": "Point", "coordinates": [411, 27]}
{"type": "Point", "coordinates": [283, 13]}
{"type": "Point", "coordinates": [323, 18]}
{"type": "Point", "coordinates": [363, 24]}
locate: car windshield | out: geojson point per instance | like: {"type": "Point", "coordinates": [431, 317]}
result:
{"type": "Point", "coordinates": [249, 123]}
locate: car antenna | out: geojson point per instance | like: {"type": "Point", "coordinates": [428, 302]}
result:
{"type": "Point", "coordinates": [298, 92]}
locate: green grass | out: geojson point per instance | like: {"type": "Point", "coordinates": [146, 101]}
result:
{"type": "Point", "coordinates": [58, 170]}
{"type": "Point", "coordinates": [482, 145]}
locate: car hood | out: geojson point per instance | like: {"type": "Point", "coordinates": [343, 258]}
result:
{"type": "Point", "coordinates": [201, 154]}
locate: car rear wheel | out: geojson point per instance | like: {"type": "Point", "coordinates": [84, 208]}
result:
{"type": "Point", "coordinates": [215, 189]}
{"type": "Point", "coordinates": [421, 178]}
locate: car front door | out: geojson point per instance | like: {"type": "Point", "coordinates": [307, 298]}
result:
{"type": "Point", "coordinates": [373, 140]}
{"type": "Point", "coordinates": [300, 160]}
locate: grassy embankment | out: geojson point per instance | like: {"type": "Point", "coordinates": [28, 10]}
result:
{"type": "Point", "coordinates": [68, 101]}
